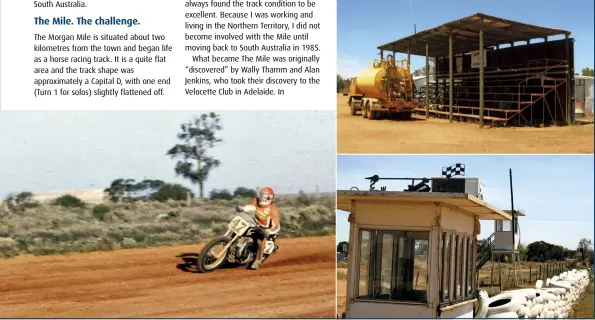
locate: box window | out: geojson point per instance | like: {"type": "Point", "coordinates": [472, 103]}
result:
{"type": "Point", "coordinates": [397, 265]}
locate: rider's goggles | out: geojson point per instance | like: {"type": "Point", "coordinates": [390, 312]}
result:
{"type": "Point", "coordinates": [265, 197]}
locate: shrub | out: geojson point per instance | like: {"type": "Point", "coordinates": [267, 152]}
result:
{"type": "Point", "coordinates": [100, 211]}
{"type": "Point", "coordinates": [8, 248]}
{"type": "Point", "coordinates": [129, 243]}
{"type": "Point", "coordinates": [304, 199]}
{"type": "Point", "coordinates": [21, 201]}
{"type": "Point", "coordinates": [69, 201]}
{"type": "Point", "coordinates": [222, 194]}
{"type": "Point", "coordinates": [171, 191]}
{"type": "Point", "coordinates": [244, 193]}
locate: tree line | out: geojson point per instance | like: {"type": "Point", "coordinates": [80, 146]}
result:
{"type": "Point", "coordinates": [194, 163]}
{"type": "Point", "coordinates": [538, 251]}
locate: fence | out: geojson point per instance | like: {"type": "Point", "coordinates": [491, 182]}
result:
{"type": "Point", "coordinates": [526, 274]}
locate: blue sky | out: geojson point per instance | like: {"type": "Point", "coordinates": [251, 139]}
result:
{"type": "Point", "coordinates": [556, 192]}
{"type": "Point", "coordinates": [66, 150]}
{"type": "Point", "coordinates": [363, 26]}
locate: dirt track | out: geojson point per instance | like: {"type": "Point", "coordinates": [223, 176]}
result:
{"type": "Point", "coordinates": [358, 135]}
{"type": "Point", "coordinates": [299, 281]}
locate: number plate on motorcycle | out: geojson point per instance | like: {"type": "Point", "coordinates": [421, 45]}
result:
{"type": "Point", "coordinates": [238, 225]}
{"type": "Point", "coordinates": [269, 247]}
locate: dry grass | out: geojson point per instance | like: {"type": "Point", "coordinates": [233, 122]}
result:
{"type": "Point", "coordinates": [358, 135]}
{"type": "Point", "coordinates": [584, 308]}
{"type": "Point", "coordinates": [527, 274]}
{"type": "Point", "coordinates": [49, 229]}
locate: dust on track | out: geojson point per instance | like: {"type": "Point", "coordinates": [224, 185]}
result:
{"type": "Point", "coordinates": [420, 136]}
{"type": "Point", "coordinates": [297, 282]}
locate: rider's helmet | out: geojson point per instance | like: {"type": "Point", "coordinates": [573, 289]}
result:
{"type": "Point", "coordinates": [265, 196]}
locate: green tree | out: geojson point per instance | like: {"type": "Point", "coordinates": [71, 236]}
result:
{"type": "Point", "coordinates": [222, 194]}
{"type": "Point", "coordinates": [584, 245]}
{"type": "Point", "coordinates": [20, 201]}
{"type": "Point", "coordinates": [120, 189]}
{"type": "Point", "coordinates": [341, 83]}
{"type": "Point", "coordinates": [522, 252]}
{"type": "Point", "coordinates": [69, 201]}
{"type": "Point", "coordinates": [197, 136]}
{"type": "Point", "coordinates": [421, 248]}
{"type": "Point", "coordinates": [244, 192]}
{"type": "Point", "coordinates": [170, 191]}
{"type": "Point", "coordinates": [588, 72]}
{"type": "Point", "coordinates": [343, 247]}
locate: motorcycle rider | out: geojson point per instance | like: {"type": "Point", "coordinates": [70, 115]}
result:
{"type": "Point", "coordinates": [267, 218]}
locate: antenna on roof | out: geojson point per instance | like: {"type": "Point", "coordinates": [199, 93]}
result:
{"type": "Point", "coordinates": [512, 205]}
{"type": "Point", "coordinates": [414, 29]}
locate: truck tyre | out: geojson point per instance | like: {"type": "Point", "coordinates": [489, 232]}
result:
{"type": "Point", "coordinates": [406, 115]}
{"type": "Point", "coordinates": [372, 114]}
{"type": "Point", "coordinates": [364, 107]}
{"type": "Point", "coordinates": [482, 304]}
{"type": "Point", "coordinates": [505, 302]}
{"type": "Point", "coordinates": [352, 107]}
{"type": "Point", "coordinates": [349, 101]}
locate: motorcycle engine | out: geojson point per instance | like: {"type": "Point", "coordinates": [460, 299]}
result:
{"type": "Point", "coordinates": [242, 251]}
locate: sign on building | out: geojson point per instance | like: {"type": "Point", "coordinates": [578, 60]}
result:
{"type": "Point", "coordinates": [475, 59]}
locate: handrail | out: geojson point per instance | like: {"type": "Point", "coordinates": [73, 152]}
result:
{"type": "Point", "coordinates": [540, 74]}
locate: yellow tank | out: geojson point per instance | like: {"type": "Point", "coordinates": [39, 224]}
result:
{"type": "Point", "coordinates": [372, 82]}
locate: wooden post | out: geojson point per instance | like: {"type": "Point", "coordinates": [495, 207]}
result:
{"type": "Point", "coordinates": [568, 77]}
{"type": "Point", "coordinates": [492, 274]}
{"type": "Point", "coordinates": [539, 273]}
{"type": "Point", "coordinates": [427, 82]}
{"type": "Point", "coordinates": [450, 84]}
{"type": "Point", "coordinates": [530, 274]}
{"type": "Point", "coordinates": [500, 272]}
{"type": "Point", "coordinates": [481, 89]}
{"type": "Point", "coordinates": [410, 91]}
{"type": "Point", "coordinates": [416, 278]}
{"type": "Point", "coordinates": [436, 86]}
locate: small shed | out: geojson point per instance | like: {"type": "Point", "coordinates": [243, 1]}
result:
{"type": "Point", "coordinates": [506, 238]}
{"type": "Point", "coordinates": [583, 88]}
{"type": "Point", "coordinates": [413, 254]}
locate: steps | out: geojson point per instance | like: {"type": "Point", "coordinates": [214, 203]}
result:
{"type": "Point", "coordinates": [521, 95]}
{"type": "Point", "coordinates": [484, 251]}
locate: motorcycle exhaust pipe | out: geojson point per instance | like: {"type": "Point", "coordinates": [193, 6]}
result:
{"type": "Point", "coordinates": [224, 251]}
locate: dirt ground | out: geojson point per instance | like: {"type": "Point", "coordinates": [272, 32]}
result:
{"type": "Point", "coordinates": [297, 282]}
{"type": "Point", "coordinates": [341, 290]}
{"type": "Point", "coordinates": [438, 136]}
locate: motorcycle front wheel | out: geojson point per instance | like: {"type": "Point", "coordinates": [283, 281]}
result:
{"type": "Point", "coordinates": [207, 259]}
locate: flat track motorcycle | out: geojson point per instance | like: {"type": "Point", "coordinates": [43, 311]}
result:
{"type": "Point", "coordinates": [238, 246]}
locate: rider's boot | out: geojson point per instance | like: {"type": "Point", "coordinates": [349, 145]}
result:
{"type": "Point", "coordinates": [259, 256]}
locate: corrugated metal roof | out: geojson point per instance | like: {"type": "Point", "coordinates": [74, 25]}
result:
{"type": "Point", "coordinates": [465, 33]}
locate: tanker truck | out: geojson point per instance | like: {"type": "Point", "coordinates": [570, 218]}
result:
{"type": "Point", "coordinates": [383, 91]}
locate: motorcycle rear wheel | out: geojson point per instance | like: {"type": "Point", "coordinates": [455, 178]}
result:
{"type": "Point", "coordinates": [203, 262]}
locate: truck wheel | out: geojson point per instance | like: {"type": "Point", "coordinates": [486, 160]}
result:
{"type": "Point", "coordinates": [406, 115]}
{"type": "Point", "coordinates": [349, 102]}
{"type": "Point", "coordinates": [372, 115]}
{"type": "Point", "coordinates": [352, 106]}
{"type": "Point", "coordinates": [364, 108]}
